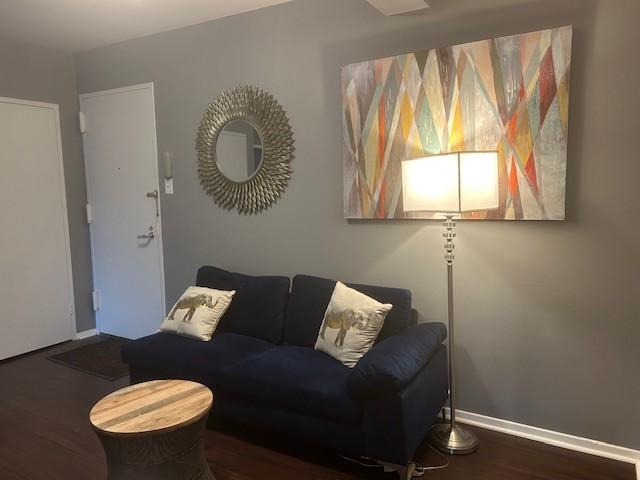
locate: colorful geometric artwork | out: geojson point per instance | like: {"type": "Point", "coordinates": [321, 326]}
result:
{"type": "Point", "coordinates": [510, 94]}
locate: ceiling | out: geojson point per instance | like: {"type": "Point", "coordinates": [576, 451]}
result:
{"type": "Point", "coordinates": [79, 25]}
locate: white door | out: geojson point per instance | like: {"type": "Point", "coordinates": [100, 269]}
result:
{"type": "Point", "coordinates": [36, 286]}
{"type": "Point", "coordinates": [119, 138]}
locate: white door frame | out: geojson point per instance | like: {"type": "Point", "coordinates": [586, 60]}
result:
{"type": "Point", "coordinates": [63, 200]}
{"type": "Point", "coordinates": [158, 232]}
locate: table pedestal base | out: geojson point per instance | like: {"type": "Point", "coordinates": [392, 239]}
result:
{"type": "Point", "coordinates": [171, 455]}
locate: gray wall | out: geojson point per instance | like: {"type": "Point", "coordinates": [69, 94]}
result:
{"type": "Point", "coordinates": [547, 312]}
{"type": "Point", "coordinates": [34, 73]}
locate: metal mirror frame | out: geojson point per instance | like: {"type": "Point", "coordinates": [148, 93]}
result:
{"type": "Point", "coordinates": [270, 120]}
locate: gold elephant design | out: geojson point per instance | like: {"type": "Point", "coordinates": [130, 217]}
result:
{"type": "Point", "coordinates": [191, 304]}
{"type": "Point", "coordinates": [344, 321]}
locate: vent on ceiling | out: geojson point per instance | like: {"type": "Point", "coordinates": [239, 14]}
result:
{"type": "Point", "coordinates": [397, 7]}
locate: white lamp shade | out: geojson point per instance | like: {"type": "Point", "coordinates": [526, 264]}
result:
{"type": "Point", "coordinates": [451, 182]}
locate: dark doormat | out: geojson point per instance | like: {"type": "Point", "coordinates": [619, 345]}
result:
{"type": "Point", "coordinates": [101, 359]}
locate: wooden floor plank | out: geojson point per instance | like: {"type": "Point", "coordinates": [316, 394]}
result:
{"type": "Point", "coordinates": [45, 435]}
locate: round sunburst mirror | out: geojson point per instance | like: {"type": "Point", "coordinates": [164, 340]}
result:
{"type": "Point", "coordinates": [245, 148]}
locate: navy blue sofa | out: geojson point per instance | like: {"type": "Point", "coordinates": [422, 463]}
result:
{"type": "Point", "coordinates": [264, 372]}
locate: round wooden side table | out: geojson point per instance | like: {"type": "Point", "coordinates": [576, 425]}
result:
{"type": "Point", "coordinates": [154, 430]}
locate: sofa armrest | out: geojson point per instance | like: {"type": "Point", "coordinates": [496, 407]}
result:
{"type": "Point", "coordinates": [395, 423]}
{"type": "Point", "coordinates": [395, 361]}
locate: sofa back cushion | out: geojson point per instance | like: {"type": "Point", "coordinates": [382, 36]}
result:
{"type": "Point", "coordinates": [258, 306]}
{"type": "Point", "coordinates": [310, 297]}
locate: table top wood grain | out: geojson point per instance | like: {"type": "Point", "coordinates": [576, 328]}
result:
{"type": "Point", "coordinates": [159, 405]}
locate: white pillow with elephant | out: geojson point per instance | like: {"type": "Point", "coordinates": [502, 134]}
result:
{"type": "Point", "coordinates": [197, 313]}
{"type": "Point", "coordinates": [351, 324]}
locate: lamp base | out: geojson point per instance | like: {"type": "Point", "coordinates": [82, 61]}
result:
{"type": "Point", "coordinates": [456, 441]}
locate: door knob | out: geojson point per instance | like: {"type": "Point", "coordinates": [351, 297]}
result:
{"type": "Point", "coordinates": [156, 197]}
{"type": "Point", "coordinates": [148, 236]}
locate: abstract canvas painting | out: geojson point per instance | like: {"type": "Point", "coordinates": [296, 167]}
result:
{"type": "Point", "coordinates": [509, 94]}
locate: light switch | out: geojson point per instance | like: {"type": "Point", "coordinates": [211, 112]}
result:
{"type": "Point", "coordinates": [168, 186]}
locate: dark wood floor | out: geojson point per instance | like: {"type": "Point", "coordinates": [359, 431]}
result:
{"type": "Point", "coordinates": [45, 434]}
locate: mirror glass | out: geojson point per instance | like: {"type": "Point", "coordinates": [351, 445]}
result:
{"type": "Point", "coordinates": [239, 150]}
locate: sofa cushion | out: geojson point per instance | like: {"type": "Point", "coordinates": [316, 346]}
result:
{"type": "Point", "coordinates": [197, 313]}
{"type": "Point", "coordinates": [180, 356]}
{"type": "Point", "coordinates": [298, 378]}
{"type": "Point", "coordinates": [258, 306]}
{"type": "Point", "coordinates": [351, 325]}
{"type": "Point", "coordinates": [310, 297]}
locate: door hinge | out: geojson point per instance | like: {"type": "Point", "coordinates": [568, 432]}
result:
{"type": "Point", "coordinates": [95, 297]}
{"type": "Point", "coordinates": [82, 122]}
{"type": "Point", "coordinates": [89, 214]}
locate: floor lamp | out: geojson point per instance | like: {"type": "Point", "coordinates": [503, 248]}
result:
{"type": "Point", "coordinates": [451, 184]}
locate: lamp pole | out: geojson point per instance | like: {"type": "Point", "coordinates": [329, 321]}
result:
{"type": "Point", "coordinates": [451, 438]}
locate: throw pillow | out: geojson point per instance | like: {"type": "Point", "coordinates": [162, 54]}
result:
{"type": "Point", "coordinates": [351, 324]}
{"type": "Point", "coordinates": [197, 313]}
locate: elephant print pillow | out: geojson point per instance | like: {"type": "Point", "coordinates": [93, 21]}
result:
{"type": "Point", "coordinates": [351, 324]}
{"type": "Point", "coordinates": [197, 313]}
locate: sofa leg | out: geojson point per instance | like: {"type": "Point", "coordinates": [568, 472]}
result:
{"type": "Point", "coordinates": [405, 472]}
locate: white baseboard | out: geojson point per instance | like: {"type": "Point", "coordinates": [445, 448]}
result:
{"type": "Point", "coordinates": [557, 439]}
{"type": "Point", "coordinates": [86, 334]}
